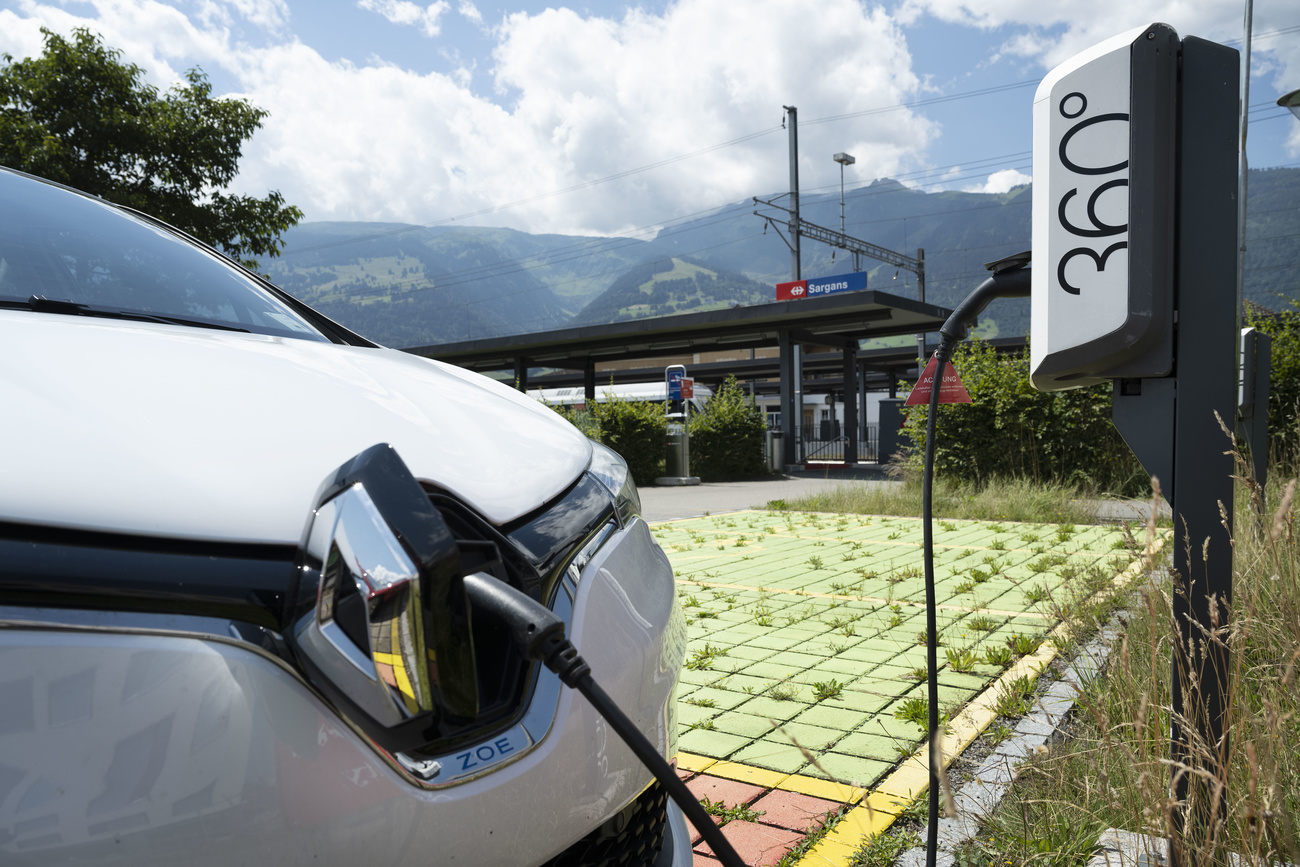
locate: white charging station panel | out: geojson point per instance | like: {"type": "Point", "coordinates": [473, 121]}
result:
{"type": "Point", "coordinates": [1103, 211]}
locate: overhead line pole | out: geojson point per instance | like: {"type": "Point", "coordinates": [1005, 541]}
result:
{"type": "Point", "coordinates": [792, 397]}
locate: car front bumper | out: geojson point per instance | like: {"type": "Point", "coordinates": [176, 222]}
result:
{"type": "Point", "coordinates": [149, 739]}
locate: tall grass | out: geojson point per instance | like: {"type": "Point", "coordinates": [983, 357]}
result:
{"type": "Point", "coordinates": [1114, 767]}
{"type": "Point", "coordinates": [994, 500]}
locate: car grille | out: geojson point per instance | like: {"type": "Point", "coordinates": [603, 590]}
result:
{"type": "Point", "coordinates": [630, 838]}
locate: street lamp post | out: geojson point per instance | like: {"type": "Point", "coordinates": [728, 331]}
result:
{"type": "Point", "coordinates": [1288, 100]}
{"type": "Point", "coordinates": [845, 160]}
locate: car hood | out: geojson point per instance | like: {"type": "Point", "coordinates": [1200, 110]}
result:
{"type": "Point", "coordinates": [184, 432]}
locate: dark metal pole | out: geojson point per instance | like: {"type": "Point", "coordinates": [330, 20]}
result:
{"type": "Point", "coordinates": [850, 406]}
{"type": "Point", "coordinates": [796, 273]}
{"type": "Point", "coordinates": [792, 126]}
{"type": "Point", "coordinates": [1206, 366]}
{"type": "Point", "coordinates": [785, 349]}
{"type": "Point", "coordinates": [920, 296]}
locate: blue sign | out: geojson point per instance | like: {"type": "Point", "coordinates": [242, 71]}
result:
{"type": "Point", "coordinates": [675, 378]}
{"type": "Point", "coordinates": [854, 282]}
{"type": "Point", "coordinates": [818, 286]}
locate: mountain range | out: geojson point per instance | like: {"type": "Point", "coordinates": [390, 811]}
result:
{"type": "Point", "coordinates": [404, 285]}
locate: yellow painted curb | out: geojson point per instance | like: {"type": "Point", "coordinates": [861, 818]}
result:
{"type": "Point", "coordinates": [828, 853]}
{"type": "Point", "coordinates": [828, 790]}
{"type": "Point", "coordinates": [694, 763]}
{"type": "Point", "coordinates": [885, 803]}
{"type": "Point", "coordinates": [747, 774]}
{"type": "Point", "coordinates": [838, 847]}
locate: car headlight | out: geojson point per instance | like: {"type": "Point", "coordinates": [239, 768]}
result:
{"type": "Point", "coordinates": [612, 471]}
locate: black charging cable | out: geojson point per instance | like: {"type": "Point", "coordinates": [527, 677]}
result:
{"type": "Point", "coordinates": [1010, 279]}
{"type": "Point", "coordinates": [539, 634]}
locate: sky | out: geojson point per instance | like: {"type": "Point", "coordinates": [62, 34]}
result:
{"type": "Point", "coordinates": [610, 118]}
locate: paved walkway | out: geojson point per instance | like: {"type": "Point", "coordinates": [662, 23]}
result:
{"type": "Point", "coordinates": [804, 683]}
{"type": "Point", "coordinates": [712, 498]}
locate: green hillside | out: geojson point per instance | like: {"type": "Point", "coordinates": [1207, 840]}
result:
{"type": "Point", "coordinates": [669, 286]}
{"type": "Point", "coordinates": [407, 285]}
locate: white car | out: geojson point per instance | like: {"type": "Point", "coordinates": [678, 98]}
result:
{"type": "Point", "coordinates": [233, 540]}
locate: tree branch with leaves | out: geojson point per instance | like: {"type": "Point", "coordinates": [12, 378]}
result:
{"type": "Point", "coordinates": [80, 116]}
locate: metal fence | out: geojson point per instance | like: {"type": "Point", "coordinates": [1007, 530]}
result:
{"type": "Point", "coordinates": [831, 449]}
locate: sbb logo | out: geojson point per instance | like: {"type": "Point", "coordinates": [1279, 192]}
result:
{"type": "Point", "coordinates": [792, 291]}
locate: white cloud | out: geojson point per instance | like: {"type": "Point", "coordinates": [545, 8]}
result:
{"type": "Point", "coordinates": [578, 98]}
{"type": "Point", "coordinates": [1048, 33]}
{"type": "Point", "coordinates": [405, 12]}
{"type": "Point", "coordinates": [1001, 182]}
{"type": "Point", "coordinates": [468, 10]}
{"type": "Point", "coordinates": [601, 95]}
{"type": "Point", "coordinates": [1051, 32]}
{"type": "Point", "coordinates": [159, 38]}
{"type": "Point", "coordinates": [270, 14]}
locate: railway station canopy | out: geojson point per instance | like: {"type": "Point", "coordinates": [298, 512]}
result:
{"type": "Point", "coordinates": [838, 322]}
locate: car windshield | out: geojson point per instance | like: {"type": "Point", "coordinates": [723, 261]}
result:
{"type": "Point", "coordinates": [87, 256]}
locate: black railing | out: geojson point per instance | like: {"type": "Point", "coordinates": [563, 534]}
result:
{"type": "Point", "coordinates": [831, 449]}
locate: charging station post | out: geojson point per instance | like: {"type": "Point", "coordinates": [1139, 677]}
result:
{"type": "Point", "coordinates": [1135, 224]}
{"type": "Point", "coordinates": [677, 456]}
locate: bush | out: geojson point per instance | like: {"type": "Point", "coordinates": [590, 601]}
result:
{"type": "Point", "coordinates": [1012, 430]}
{"type": "Point", "coordinates": [580, 418]}
{"type": "Point", "coordinates": [1283, 381]}
{"type": "Point", "coordinates": [638, 431]}
{"type": "Point", "coordinates": [727, 437]}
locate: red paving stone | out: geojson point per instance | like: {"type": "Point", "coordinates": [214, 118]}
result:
{"type": "Point", "coordinates": [729, 792]}
{"type": "Point", "coordinates": [718, 790]}
{"type": "Point", "coordinates": [757, 845]}
{"type": "Point", "coordinates": [703, 860]}
{"type": "Point", "coordinates": [792, 810]}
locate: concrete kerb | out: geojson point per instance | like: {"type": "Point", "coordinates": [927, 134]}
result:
{"type": "Point", "coordinates": [993, 778]}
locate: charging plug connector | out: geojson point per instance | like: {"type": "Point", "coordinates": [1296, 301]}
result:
{"type": "Point", "coordinates": [539, 635]}
{"type": "Point", "coordinates": [1010, 279]}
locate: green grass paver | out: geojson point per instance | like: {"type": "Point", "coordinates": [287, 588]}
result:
{"type": "Point", "coordinates": [872, 746]}
{"type": "Point", "coordinates": [810, 737]}
{"type": "Point", "coordinates": [703, 677]}
{"type": "Point", "coordinates": [751, 653]}
{"type": "Point", "coordinates": [772, 669]}
{"type": "Point", "coordinates": [791, 615]}
{"type": "Point", "coordinates": [710, 743]}
{"type": "Point", "coordinates": [855, 770]}
{"type": "Point", "coordinates": [723, 699]}
{"type": "Point", "coordinates": [900, 731]}
{"type": "Point", "coordinates": [842, 719]}
{"type": "Point", "coordinates": [773, 756]}
{"type": "Point", "coordinates": [743, 724]}
{"type": "Point", "coordinates": [795, 660]}
{"type": "Point", "coordinates": [740, 682]}
{"type": "Point", "coordinates": [775, 642]}
{"type": "Point", "coordinates": [689, 714]}
{"type": "Point", "coordinates": [772, 708]}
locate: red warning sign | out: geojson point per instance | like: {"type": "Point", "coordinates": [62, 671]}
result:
{"type": "Point", "coordinates": [950, 390]}
{"type": "Point", "coordinates": [688, 388]}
